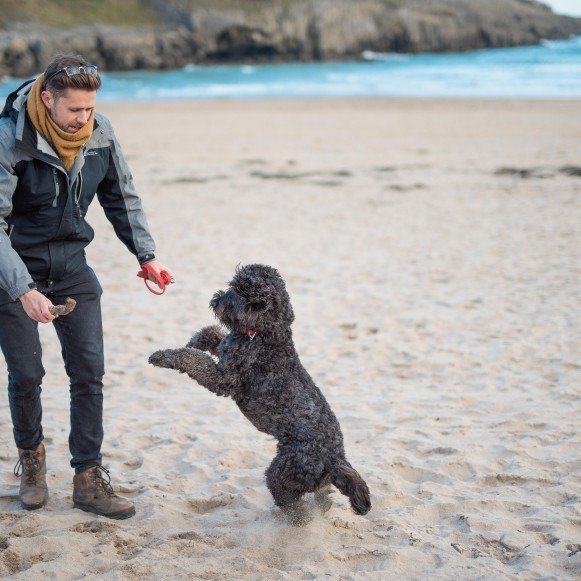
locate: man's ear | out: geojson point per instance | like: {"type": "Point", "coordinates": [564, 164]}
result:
{"type": "Point", "coordinates": [47, 99]}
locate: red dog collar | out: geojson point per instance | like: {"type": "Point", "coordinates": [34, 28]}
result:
{"type": "Point", "coordinates": [251, 333]}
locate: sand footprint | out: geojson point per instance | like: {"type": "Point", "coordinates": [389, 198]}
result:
{"type": "Point", "coordinates": [349, 330]}
{"type": "Point", "coordinates": [417, 475]}
{"type": "Point", "coordinates": [11, 562]}
{"type": "Point", "coordinates": [134, 462]}
{"type": "Point", "coordinates": [126, 547]}
{"type": "Point", "coordinates": [240, 459]}
{"type": "Point", "coordinates": [194, 536]}
{"type": "Point", "coordinates": [94, 526]}
{"type": "Point", "coordinates": [204, 505]}
{"type": "Point", "coordinates": [498, 550]}
{"type": "Point", "coordinates": [574, 548]}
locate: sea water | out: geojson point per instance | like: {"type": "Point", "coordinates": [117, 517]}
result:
{"type": "Point", "coordinates": [551, 70]}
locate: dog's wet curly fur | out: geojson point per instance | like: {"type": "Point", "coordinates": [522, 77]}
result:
{"type": "Point", "coordinates": [260, 370]}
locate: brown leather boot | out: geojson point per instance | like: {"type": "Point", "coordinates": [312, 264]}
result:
{"type": "Point", "coordinates": [92, 492]}
{"type": "Point", "coordinates": [31, 467]}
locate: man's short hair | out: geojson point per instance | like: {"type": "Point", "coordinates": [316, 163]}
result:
{"type": "Point", "coordinates": [57, 81]}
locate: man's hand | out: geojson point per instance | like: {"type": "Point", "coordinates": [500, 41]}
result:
{"type": "Point", "coordinates": [36, 306]}
{"type": "Point", "coordinates": [158, 267]}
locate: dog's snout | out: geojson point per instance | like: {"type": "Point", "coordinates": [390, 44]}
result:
{"type": "Point", "coordinates": [216, 299]}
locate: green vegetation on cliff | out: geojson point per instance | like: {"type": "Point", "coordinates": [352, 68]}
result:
{"type": "Point", "coordinates": [67, 13]}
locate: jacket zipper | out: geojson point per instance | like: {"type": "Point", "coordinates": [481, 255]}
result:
{"type": "Point", "coordinates": [80, 186]}
{"type": "Point", "coordinates": [78, 195]}
{"type": "Point", "coordinates": [56, 187]}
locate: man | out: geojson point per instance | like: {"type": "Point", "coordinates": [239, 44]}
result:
{"type": "Point", "coordinates": [56, 154]}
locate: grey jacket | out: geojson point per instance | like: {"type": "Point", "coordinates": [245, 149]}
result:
{"type": "Point", "coordinates": [43, 231]}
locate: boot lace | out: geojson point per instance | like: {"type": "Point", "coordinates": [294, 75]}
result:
{"type": "Point", "coordinates": [28, 465]}
{"type": "Point", "coordinates": [103, 479]}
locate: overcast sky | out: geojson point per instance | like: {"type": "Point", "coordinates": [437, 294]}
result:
{"type": "Point", "coordinates": [572, 7]}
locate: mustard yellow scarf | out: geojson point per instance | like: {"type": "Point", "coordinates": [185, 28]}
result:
{"type": "Point", "coordinates": [67, 144]}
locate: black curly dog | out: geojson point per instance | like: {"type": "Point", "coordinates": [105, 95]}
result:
{"type": "Point", "coordinates": [258, 367]}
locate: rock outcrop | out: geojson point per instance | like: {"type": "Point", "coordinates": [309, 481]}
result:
{"type": "Point", "coordinates": [278, 30]}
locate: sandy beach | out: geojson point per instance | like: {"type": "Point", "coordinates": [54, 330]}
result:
{"type": "Point", "coordinates": [432, 252]}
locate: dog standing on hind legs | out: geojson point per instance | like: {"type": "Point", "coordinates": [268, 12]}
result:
{"type": "Point", "coordinates": [259, 368]}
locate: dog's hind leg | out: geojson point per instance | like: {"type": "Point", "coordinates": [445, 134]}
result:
{"type": "Point", "coordinates": [286, 493]}
{"type": "Point", "coordinates": [322, 499]}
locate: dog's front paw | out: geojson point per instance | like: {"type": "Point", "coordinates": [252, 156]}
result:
{"type": "Point", "coordinates": [207, 339]}
{"type": "Point", "coordinates": [164, 358]}
{"type": "Point", "coordinates": [196, 341]}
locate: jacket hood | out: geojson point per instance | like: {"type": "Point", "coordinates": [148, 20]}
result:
{"type": "Point", "coordinates": [17, 99]}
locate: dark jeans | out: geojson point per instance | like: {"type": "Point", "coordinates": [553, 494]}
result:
{"type": "Point", "coordinates": [81, 337]}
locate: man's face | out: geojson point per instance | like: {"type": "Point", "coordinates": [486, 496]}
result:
{"type": "Point", "coordinates": [72, 110]}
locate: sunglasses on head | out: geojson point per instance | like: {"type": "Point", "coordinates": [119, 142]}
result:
{"type": "Point", "coordinates": [73, 70]}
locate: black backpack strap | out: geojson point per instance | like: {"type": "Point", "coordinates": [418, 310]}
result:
{"type": "Point", "coordinates": [12, 97]}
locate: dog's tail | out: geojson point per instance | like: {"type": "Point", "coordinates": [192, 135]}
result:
{"type": "Point", "coordinates": [350, 483]}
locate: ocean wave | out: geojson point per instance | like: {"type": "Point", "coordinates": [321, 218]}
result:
{"type": "Point", "coordinates": [370, 55]}
{"type": "Point", "coordinates": [571, 42]}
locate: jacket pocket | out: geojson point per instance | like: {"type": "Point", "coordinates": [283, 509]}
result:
{"type": "Point", "coordinates": [57, 189]}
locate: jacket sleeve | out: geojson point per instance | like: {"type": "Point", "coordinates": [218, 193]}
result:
{"type": "Point", "coordinates": [122, 205]}
{"type": "Point", "coordinates": [14, 276]}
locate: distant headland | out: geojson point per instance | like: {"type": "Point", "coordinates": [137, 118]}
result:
{"type": "Point", "coordinates": [158, 34]}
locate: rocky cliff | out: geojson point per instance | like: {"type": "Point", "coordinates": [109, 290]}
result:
{"type": "Point", "coordinates": [273, 30]}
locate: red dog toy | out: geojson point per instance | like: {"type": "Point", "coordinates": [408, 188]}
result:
{"type": "Point", "coordinates": [162, 278]}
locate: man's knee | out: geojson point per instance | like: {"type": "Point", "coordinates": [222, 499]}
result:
{"type": "Point", "coordinates": [25, 383]}
{"type": "Point", "coordinates": [86, 384]}
{"type": "Point", "coordinates": [86, 374]}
